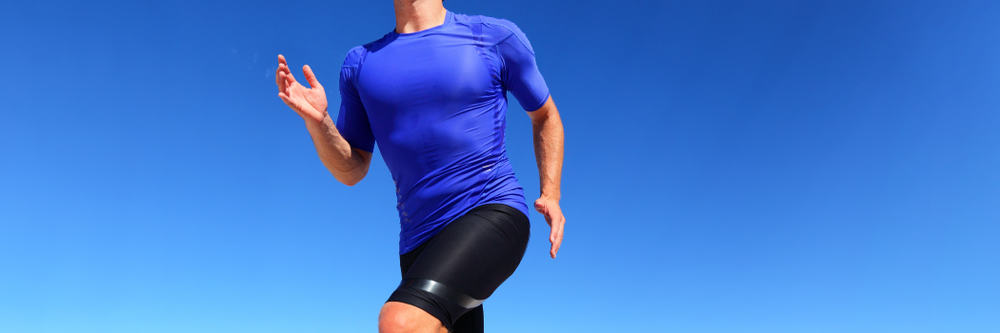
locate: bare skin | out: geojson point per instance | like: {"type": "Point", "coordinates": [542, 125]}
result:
{"type": "Point", "coordinates": [349, 164]}
{"type": "Point", "coordinates": [548, 136]}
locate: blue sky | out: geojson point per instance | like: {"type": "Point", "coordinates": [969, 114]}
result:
{"type": "Point", "coordinates": [731, 166]}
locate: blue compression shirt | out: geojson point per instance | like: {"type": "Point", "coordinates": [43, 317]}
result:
{"type": "Point", "coordinates": [436, 102]}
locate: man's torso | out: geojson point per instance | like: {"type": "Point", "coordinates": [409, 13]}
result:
{"type": "Point", "coordinates": [436, 105]}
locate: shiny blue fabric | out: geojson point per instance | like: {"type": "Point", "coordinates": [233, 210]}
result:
{"type": "Point", "coordinates": [435, 101]}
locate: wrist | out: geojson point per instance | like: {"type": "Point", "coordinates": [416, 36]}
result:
{"type": "Point", "coordinates": [554, 196]}
{"type": "Point", "coordinates": [322, 123]}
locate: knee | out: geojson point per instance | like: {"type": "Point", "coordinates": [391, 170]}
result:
{"type": "Point", "coordinates": [398, 318]}
{"type": "Point", "coordinates": [390, 321]}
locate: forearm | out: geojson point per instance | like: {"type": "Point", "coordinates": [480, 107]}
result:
{"type": "Point", "coordinates": [335, 152]}
{"type": "Point", "coordinates": [548, 136]}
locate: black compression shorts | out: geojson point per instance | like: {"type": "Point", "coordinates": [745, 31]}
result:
{"type": "Point", "coordinates": [450, 274]}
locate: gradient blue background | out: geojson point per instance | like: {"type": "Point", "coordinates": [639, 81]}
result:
{"type": "Point", "coordinates": [731, 166]}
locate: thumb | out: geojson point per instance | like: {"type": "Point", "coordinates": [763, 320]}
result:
{"type": "Point", "coordinates": [310, 77]}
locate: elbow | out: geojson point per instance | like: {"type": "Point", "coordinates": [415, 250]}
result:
{"type": "Point", "coordinates": [350, 178]}
{"type": "Point", "coordinates": [355, 173]}
{"type": "Point", "coordinates": [347, 180]}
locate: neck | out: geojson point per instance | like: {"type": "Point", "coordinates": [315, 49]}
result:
{"type": "Point", "coordinates": [416, 15]}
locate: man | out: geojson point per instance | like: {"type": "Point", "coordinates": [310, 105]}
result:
{"type": "Point", "coordinates": [432, 93]}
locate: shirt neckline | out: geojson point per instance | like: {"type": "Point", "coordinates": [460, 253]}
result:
{"type": "Point", "coordinates": [448, 18]}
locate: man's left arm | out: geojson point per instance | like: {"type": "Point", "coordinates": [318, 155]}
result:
{"type": "Point", "coordinates": [548, 137]}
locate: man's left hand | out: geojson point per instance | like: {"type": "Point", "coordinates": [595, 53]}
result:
{"type": "Point", "coordinates": [549, 208]}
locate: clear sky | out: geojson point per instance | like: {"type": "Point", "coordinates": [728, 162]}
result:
{"type": "Point", "coordinates": [731, 166]}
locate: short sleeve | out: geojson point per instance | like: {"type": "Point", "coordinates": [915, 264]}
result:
{"type": "Point", "coordinates": [522, 77]}
{"type": "Point", "coordinates": [352, 122]}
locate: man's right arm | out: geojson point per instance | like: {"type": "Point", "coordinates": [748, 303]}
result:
{"type": "Point", "coordinates": [348, 164]}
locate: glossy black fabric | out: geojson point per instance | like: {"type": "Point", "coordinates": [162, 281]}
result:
{"type": "Point", "coordinates": [473, 255]}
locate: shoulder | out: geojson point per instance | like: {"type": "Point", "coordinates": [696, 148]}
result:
{"type": "Point", "coordinates": [504, 30]}
{"type": "Point", "coordinates": [498, 30]}
{"type": "Point", "coordinates": [356, 55]}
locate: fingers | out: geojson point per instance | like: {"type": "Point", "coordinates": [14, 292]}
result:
{"type": "Point", "coordinates": [287, 83]}
{"type": "Point", "coordinates": [277, 74]}
{"type": "Point", "coordinates": [554, 217]}
{"type": "Point", "coordinates": [556, 235]}
{"type": "Point", "coordinates": [279, 77]}
{"type": "Point", "coordinates": [283, 67]}
{"type": "Point", "coordinates": [310, 77]}
{"type": "Point", "coordinates": [556, 242]}
{"type": "Point", "coordinates": [283, 76]}
{"type": "Point", "coordinates": [559, 238]}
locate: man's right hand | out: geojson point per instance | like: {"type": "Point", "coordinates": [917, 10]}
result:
{"type": "Point", "coordinates": [309, 103]}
